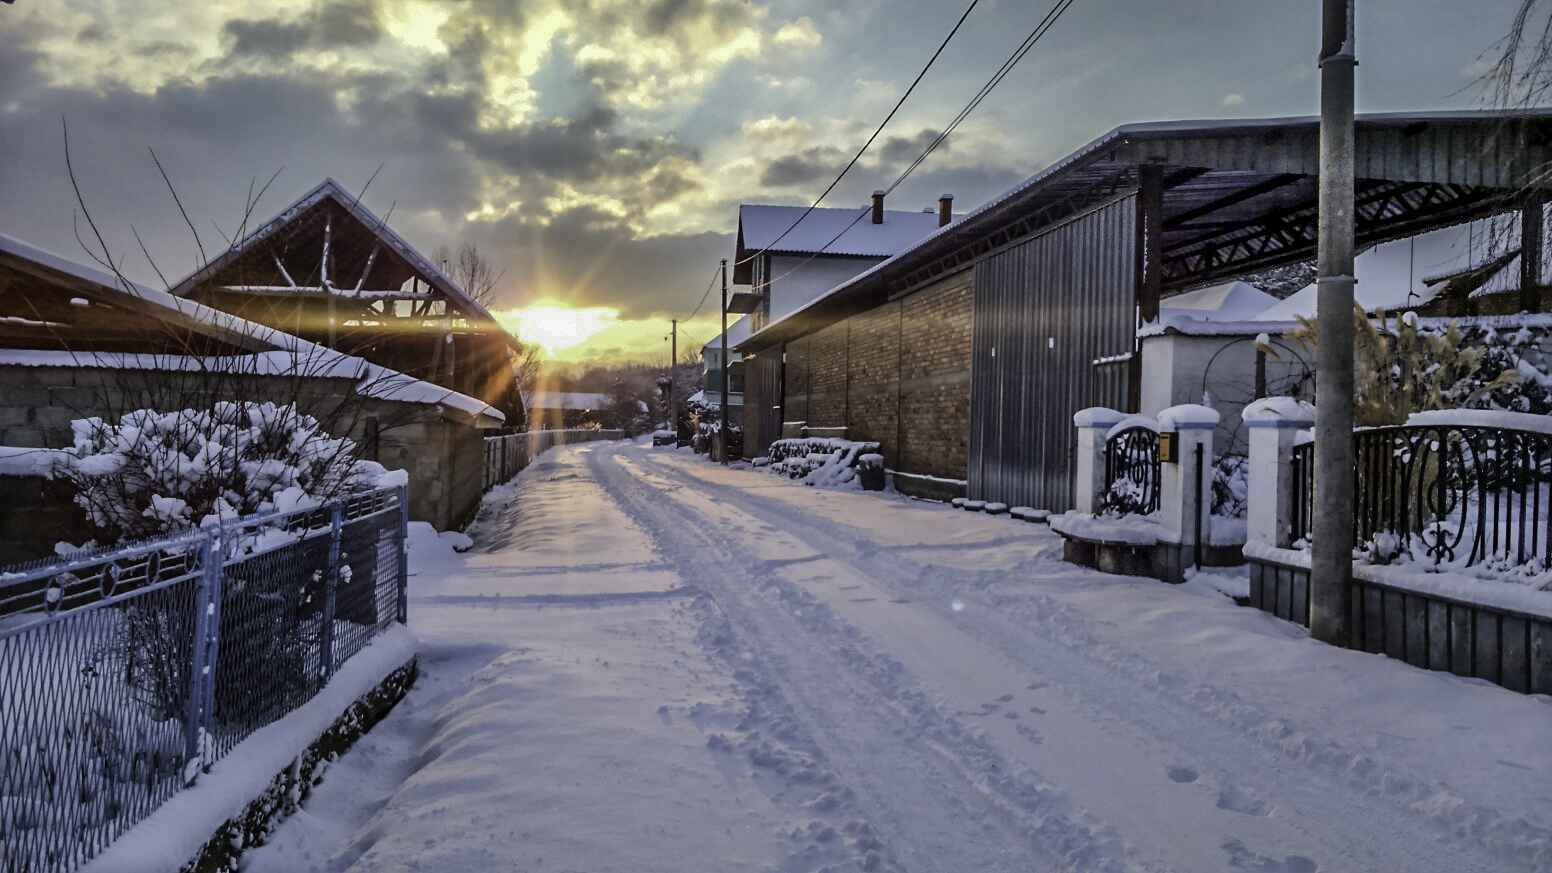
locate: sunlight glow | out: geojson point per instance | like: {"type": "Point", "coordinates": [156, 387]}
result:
{"type": "Point", "coordinates": [599, 334]}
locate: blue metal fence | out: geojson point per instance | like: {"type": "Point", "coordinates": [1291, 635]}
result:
{"type": "Point", "coordinates": [125, 672]}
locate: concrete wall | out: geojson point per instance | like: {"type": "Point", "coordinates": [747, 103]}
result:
{"type": "Point", "coordinates": [1177, 368]}
{"type": "Point", "coordinates": [445, 459]}
{"type": "Point", "coordinates": [898, 374]}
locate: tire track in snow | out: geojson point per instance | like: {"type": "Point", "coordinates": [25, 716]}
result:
{"type": "Point", "coordinates": [939, 794]}
{"type": "Point", "coordinates": [1339, 792]}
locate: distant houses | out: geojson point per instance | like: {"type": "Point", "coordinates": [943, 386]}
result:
{"type": "Point", "coordinates": [966, 353]}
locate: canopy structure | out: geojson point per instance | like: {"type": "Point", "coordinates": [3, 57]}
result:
{"type": "Point", "coordinates": [328, 270]}
{"type": "Point", "coordinates": [1219, 200]}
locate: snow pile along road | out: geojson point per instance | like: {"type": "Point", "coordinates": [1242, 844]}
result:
{"type": "Point", "coordinates": [652, 663]}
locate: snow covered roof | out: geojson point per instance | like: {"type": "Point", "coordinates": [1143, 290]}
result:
{"type": "Point", "coordinates": [1230, 301]}
{"type": "Point", "coordinates": [274, 350]}
{"type": "Point", "coordinates": [831, 231]}
{"type": "Point", "coordinates": [331, 190]}
{"type": "Point", "coordinates": [737, 332]}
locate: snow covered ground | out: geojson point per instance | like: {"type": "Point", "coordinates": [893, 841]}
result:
{"type": "Point", "coordinates": [652, 663]}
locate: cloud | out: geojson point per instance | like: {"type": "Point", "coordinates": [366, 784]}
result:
{"type": "Point", "coordinates": [810, 166]}
{"type": "Point", "coordinates": [797, 33]}
{"type": "Point", "coordinates": [327, 25]}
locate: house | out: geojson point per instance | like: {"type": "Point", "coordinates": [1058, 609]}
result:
{"type": "Point", "coordinates": [789, 255]}
{"type": "Point", "coordinates": [77, 342]}
{"type": "Point", "coordinates": [563, 410]}
{"type": "Point", "coordinates": [329, 271]}
{"type": "Point", "coordinates": [712, 371]}
{"type": "Point", "coordinates": [967, 354]}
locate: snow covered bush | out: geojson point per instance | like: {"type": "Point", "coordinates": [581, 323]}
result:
{"type": "Point", "coordinates": [1406, 369]}
{"type": "Point", "coordinates": [155, 472]}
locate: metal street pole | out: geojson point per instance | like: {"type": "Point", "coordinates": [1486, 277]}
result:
{"type": "Point", "coordinates": [1331, 561]}
{"type": "Point", "coordinates": [724, 415]}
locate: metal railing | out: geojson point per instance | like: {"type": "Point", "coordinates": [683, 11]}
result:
{"type": "Point", "coordinates": [125, 672]}
{"type": "Point", "coordinates": [1132, 474]}
{"type": "Point", "coordinates": [1456, 495]}
{"type": "Point", "coordinates": [1302, 514]}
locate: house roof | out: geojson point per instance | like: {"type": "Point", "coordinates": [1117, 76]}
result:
{"type": "Point", "coordinates": [365, 256]}
{"type": "Point", "coordinates": [829, 231]}
{"type": "Point", "coordinates": [737, 332]}
{"type": "Point", "coordinates": [1239, 196]}
{"type": "Point", "coordinates": [57, 283]}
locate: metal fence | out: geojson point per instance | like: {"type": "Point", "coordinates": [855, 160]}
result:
{"type": "Point", "coordinates": [126, 672]}
{"type": "Point", "coordinates": [1302, 514]}
{"type": "Point", "coordinates": [506, 456]}
{"type": "Point", "coordinates": [1452, 495]}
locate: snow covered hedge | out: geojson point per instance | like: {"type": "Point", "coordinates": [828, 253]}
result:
{"type": "Point", "coordinates": [155, 472]}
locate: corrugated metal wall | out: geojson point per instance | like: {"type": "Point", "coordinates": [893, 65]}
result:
{"type": "Point", "coordinates": [1045, 311]}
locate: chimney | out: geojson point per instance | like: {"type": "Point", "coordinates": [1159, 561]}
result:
{"type": "Point", "coordinates": [945, 209]}
{"type": "Point", "coordinates": [878, 207]}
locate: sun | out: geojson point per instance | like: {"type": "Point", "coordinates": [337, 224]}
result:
{"type": "Point", "coordinates": [556, 328]}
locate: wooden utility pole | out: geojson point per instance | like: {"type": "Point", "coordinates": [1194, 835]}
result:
{"type": "Point", "coordinates": [1331, 560]}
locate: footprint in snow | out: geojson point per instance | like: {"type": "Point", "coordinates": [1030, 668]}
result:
{"type": "Point", "coordinates": [1238, 800]}
{"type": "Point", "coordinates": [1241, 858]}
{"type": "Point", "coordinates": [1182, 775]}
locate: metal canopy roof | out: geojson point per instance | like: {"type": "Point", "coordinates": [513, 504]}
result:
{"type": "Point", "coordinates": [1239, 196]}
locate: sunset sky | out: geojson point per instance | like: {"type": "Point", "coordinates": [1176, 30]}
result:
{"type": "Point", "coordinates": [597, 150]}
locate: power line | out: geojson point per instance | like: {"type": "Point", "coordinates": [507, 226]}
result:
{"type": "Point", "coordinates": [1002, 72]}
{"type": "Point", "coordinates": [996, 79]}
{"type": "Point", "coordinates": [879, 130]}
{"type": "Point", "coordinates": [709, 285]}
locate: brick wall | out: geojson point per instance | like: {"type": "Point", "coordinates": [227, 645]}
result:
{"type": "Point", "coordinates": [898, 373]}
{"type": "Point", "coordinates": [935, 324]}
{"type": "Point", "coordinates": [827, 369]}
{"type": "Point", "coordinates": [873, 390]}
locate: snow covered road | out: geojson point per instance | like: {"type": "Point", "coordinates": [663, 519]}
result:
{"type": "Point", "coordinates": [654, 663]}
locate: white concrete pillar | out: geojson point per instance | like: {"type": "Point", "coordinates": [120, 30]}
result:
{"type": "Point", "coordinates": [1189, 425]}
{"type": "Point", "coordinates": [1274, 424]}
{"type": "Point", "coordinates": [1093, 425]}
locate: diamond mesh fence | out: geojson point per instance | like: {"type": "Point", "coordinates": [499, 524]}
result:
{"type": "Point", "coordinates": [124, 673]}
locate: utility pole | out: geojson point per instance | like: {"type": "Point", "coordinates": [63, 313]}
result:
{"type": "Point", "coordinates": [673, 373]}
{"type": "Point", "coordinates": [724, 416]}
{"type": "Point", "coordinates": [1331, 560]}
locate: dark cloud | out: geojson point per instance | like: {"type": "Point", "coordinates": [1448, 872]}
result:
{"type": "Point", "coordinates": [328, 25]}
{"type": "Point", "coordinates": [902, 150]}
{"type": "Point", "coordinates": [803, 168]}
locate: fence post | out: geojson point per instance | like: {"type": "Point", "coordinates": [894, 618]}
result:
{"type": "Point", "coordinates": [330, 591]}
{"type": "Point", "coordinates": [1185, 485]}
{"type": "Point", "coordinates": [1274, 424]}
{"type": "Point", "coordinates": [1093, 424]}
{"type": "Point", "coordinates": [404, 553]}
{"type": "Point", "coordinates": [202, 664]}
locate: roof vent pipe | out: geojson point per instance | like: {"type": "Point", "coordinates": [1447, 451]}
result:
{"type": "Point", "coordinates": [878, 207]}
{"type": "Point", "coordinates": [945, 209]}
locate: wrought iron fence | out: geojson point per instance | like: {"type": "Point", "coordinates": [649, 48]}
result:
{"type": "Point", "coordinates": [125, 672]}
{"type": "Point", "coordinates": [1301, 515]}
{"type": "Point", "coordinates": [1454, 495]}
{"type": "Point", "coordinates": [1132, 472]}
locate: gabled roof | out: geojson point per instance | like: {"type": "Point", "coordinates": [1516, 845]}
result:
{"type": "Point", "coordinates": [304, 218]}
{"type": "Point", "coordinates": [830, 231]}
{"type": "Point", "coordinates": [270, 350]}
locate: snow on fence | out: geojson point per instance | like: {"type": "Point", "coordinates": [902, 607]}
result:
{"type": "Point", "coordinates": [506, 456]}
{"type": "Point", "coordinates": [125, 672]}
